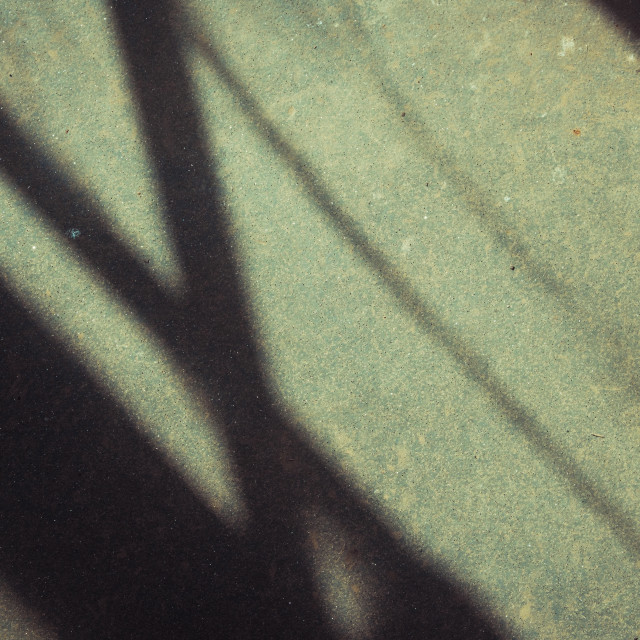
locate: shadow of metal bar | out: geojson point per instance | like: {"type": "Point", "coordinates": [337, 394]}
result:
{"type": "Point", "coordinates": [409, 299]}
{"type": "Point", "coordinates": [65, 205]}
{"type": "Point", "coordinates": [282, 476]}
{"type": "Point", "coordinates": [622, 12]}
{"type": "Point", "coordinates": [477, 201]}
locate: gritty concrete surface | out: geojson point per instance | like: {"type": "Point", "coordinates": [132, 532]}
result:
{"type": "Point", "coordinates": [319, 320]}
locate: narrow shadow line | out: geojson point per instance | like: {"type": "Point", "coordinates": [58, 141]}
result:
{"type": "Point", "coordinates": [261, 584]}
{"type": "Point", "coordinates": [409, 299]}
{"type": "Point", "coordinates": [477, 203]}
{"type": "Point", "coordinates": [281, 477]}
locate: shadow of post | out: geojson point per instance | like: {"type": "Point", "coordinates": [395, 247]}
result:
{"type": "Point", "coordinates": [97, 533]}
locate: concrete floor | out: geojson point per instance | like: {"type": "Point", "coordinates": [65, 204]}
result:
{"type": "Point", "coordinates": [319, 320]}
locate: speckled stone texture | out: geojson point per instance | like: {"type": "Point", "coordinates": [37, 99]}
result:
{"type": "Point", "coordinates": [319, 320]}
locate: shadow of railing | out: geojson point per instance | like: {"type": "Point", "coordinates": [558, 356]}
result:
{"type": "Point", "coordinates": [478, 202]}
{"type": "Point", "coordinates": [106, 541]}
{"type": "Point", "coordinates": [98, 533]}
{"type": "Point", "coordinates": [415, 306]}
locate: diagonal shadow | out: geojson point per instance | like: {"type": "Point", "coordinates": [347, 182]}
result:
{"type": "Point", "coordinates": [478, 202]}
{"type": "Point", "coordinates": [97, 532]}
{"type": "Point", "coordinates": [622, 12]}
{"type": "Point", "coordinates": [410, 299]}
{"type": "Point", "coordinates": [102, 538]}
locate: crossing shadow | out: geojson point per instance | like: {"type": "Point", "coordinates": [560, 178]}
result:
{"type": "Point", "coordinates": [476, 199]}
{"type": "Point", "coordinates": [98, 533]}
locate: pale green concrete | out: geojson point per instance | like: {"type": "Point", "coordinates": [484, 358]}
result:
{"type": "Point", "coordinates": [435, 205]}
